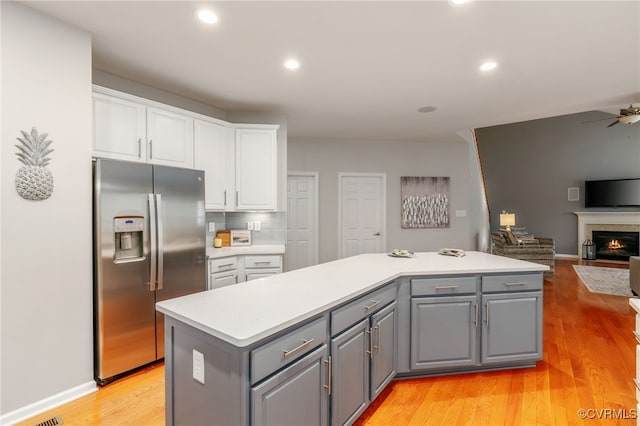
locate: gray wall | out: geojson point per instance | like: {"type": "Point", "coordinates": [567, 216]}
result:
{"type": "Point", "coordinates": [46, 335]}
{"type": "Point", "coordinates": [395, 159]}
{"type": "Point", "coordinates": [529, 166]}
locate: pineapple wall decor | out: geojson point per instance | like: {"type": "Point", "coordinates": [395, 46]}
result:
{"type": "Point", "coordinates": [34, 181]}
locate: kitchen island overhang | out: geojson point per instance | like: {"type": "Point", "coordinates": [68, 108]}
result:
{"type": "Point", "coordinates": [233, 325]}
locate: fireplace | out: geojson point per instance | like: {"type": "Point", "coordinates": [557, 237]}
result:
{"type": "Point", "coordinates": [616, 245]}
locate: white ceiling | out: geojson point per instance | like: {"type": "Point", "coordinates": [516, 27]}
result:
{"type": "Point", "coordinates": [368, 66]}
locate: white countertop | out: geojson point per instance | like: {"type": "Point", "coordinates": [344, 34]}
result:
{"type": "Point", "coordinates": [635, 304]}
{"type": "Point", "coordinates": [245, 313]}
{"type": "Point", "coordinates": [213, 253]}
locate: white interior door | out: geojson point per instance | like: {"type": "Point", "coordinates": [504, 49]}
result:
{"type": "Point", "coordinates": [302, 221]}
{"type": "Point", "coordinates": [362, 213]}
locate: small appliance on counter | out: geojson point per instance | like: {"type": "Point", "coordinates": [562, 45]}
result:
{"type": "Point", "coordinates": [240, 237]}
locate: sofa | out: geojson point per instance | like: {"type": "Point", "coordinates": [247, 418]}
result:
{"type": "Point", "coordinates": [524, 247]}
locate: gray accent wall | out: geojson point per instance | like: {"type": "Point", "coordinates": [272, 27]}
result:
{"type": "Point", "coordinates": [446, 157]}
{"type": "Point", "coordinates": [529, 166]}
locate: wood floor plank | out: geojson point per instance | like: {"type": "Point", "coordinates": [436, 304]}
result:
{"type": "Point", "coordinates": [588, 363]}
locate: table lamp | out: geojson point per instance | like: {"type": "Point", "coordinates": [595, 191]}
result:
{"type": "Point", "coordinates": [507, 220]}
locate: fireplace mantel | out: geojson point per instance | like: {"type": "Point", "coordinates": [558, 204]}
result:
{"type": "Point", "coordinates": [603, 218]}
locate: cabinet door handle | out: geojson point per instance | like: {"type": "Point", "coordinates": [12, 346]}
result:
{"type": "Point", "coordinates": [139, 147]}
{"type": "Point", "coordinates": [637, 335]}
{"type": "Point", "coordinates": [328, 385]}
{"type": "Point", "coordinates": [370, 351]}
{"type": "Point", "coordinates": [237, 197]}
{"type": "Point", "coordinates": [304, 344]}
{"type": "Point", "coordinates": [475, 315]}
{"type": "Point", "coordinates": [515, 284]}
{"type": "Point", "coordinates": [377, 328]}
{"type": "Point", "coordinates": [150, 148]}
{"type": "Point", "coordinates": [377, 234]}
{"type": "Point", "coordinates": [265, 262]}
{"type": "Point", "coordinates": [373, 305]}
{"type": "Point", "coordinates": [225, 197]}
{"type": "Point", "coordinates": [486, 314]}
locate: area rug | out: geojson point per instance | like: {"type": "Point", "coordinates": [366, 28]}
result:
{"type": "Point", "coordinates": [604, 280]}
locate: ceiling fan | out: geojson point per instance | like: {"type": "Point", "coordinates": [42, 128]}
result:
{"type": "Point", "coordinates": [627, 116]}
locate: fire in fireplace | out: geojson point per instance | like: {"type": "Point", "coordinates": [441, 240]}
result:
{"type": "Point", "coordinates": [616, 245]}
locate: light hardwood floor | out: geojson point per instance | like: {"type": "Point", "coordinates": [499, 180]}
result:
{"type": "Point", "coordinates": [589, 363]}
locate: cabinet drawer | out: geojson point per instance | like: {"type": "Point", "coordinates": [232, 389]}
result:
{"type": "Point", "coordinates": [502, 283]}
{"type": "Point", "coordinates": [444, 286]}
{"type": "Point", "coordinates": [268, 261]}
{"type": "Point", "coordinates": [222, 279]}
{"type": "Point", "coordinates": [223, 264]}
{"type": "Point", "coordinates": [279, 352]}
{"type": "Point", "coordinates": [353, 312]}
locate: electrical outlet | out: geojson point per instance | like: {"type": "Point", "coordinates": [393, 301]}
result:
{"type": "Point", "coordinates": [250, 226]}
{"type": "Point", "coordinates": [212, 227]}
{"type": "Point", "coordinates": [257, 225]}
{"type": "Point", "coordinates": [198, 366]}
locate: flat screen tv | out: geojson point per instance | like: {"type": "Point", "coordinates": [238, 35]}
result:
{"type": "Point", "coordinates": [612, 193]}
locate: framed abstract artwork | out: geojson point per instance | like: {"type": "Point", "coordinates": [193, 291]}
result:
{"type": "Point", "coordinates": [425, 202]}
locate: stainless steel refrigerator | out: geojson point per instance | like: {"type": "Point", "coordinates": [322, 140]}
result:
{"type": "Point", "coordinates": [149, 245]}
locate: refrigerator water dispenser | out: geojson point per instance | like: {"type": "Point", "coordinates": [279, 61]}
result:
{"type": "Point", "coordinates": [128, 238]}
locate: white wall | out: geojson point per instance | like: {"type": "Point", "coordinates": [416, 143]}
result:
{"type": "Point", "coordinates": [443, 158]}
{"type": "Point", "coordinates": [45, 269]}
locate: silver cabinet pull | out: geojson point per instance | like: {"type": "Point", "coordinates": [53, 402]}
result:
{"type": "Point", "coordinates": [328, 385]}
{"type": "Point", "coordinates": [370, 351]}
{"type": "Point", "coordinates": [377, 234]}
{"type": "Point", "coordinates": [515, 284]}
{"type": "Point", "coordinates": [304, 344]}
{"type": "Point", "coordinates": [150, 148]}
{"type": "Point", "coordinates": [475, 314]}
{"type": "Point", "coordinates": [373, 305]}
{"type": "Point", "coordinates": [237, 197]}
{"type": "Point", "coordinates": [635, 382]}
{"type": "Point", "coordinates": [377, 328]}
{"type": "Point", "coordinates": [447, 287]}
{"type": "Point", "coordinates": [265, 262]}
{"type": "Point", "coordinates": [637, 335]}
{"type": "Point", "coordinates": [139, 147]}
{"type": "Point", "coordinates": [486, 313]}
{"type": "Point", "coordinates": [225, 197]}
{"type": "Point", "coordinates": [226, 265]}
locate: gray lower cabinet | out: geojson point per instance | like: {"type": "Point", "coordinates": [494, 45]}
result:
{"type": "Point", "coordinates": [363, 362]}
{"type": "Point", "coordinates": [512, 327]}
{"type": "Point", "coordinates": [444, 332]}
{"type": "Point", "coordinates": [295, 396]}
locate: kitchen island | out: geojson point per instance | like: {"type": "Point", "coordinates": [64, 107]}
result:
{"type": "Point", "coordinates": [317, 345]}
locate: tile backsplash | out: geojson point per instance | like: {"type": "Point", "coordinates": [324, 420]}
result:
{"type": "Point", "coordinates": [273, 225]}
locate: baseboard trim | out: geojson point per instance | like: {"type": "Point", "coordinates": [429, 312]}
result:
{"type": "Point", "coordinates": [48, 403]}
{"type": "Point", "coordinates": [566, 256]}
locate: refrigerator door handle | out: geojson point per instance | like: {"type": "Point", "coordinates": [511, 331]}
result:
{"type": "Point", "coordinates": [160, 242]}
{"type": "Point", "coordinates": [153, 238]}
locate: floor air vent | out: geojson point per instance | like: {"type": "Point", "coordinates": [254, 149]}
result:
{"type": "Point", "coordinates": [53, 421]}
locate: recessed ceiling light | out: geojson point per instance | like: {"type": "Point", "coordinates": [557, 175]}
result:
{"type": "Point", "coordinates": [207, 16]}
{"type": "Point", "coordinates": [459, 2]}
{"type": "Point", "coordinates": [488, 66]}
{"type": "Point", "coordinates": [291, 64]}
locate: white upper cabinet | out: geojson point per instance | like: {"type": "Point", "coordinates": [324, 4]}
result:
{"type": "Point", "coordinates": [119, 128]}
{"type": "Point", "coordinates": [240, 161]}
{"type": "Point", "coordinates": [214, 146]}
{"type": "Point", "coordinates": [127, 128]}
{"type": "Point", "coordinates": [256, 168]}
{"type": "Point", "coordinates": [170, 138]}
